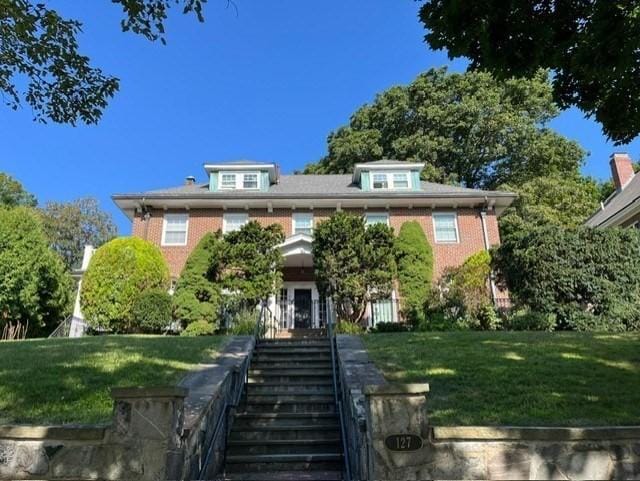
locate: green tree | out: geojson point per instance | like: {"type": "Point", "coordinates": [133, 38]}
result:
{"type": "Point", "coordinates": [198, 293]}
{"type": "Point", "coordinates": [414, 258]}
{"type": "Point", "coordinates": [253, 261]}
{"type": "Point", "coordinates": [12, 193]}
{"type": "Point", "coordinates": [564, 202]}
{"type": "Point", "coordinates": [354, 264]}
{"type": "Point", "coordinates": [119, 272]}
{"type": "Point", "coordinates": [34, 287]}
{"type": "Point", "coordinates": [41, 65]}
{"type": "Point", "coordinates": [152, 311]}
{"type": "Point", "coordinates": [588, 278]}
{"type": "Point", "coordinates": [467, 128]}
{"type": "Point", "coordinates": [592, 47]}
{"type": "Point", "coordinates": [72, 225]}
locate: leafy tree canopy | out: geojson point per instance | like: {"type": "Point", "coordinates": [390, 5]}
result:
{"type": "Point", "coordinates": [34, 287]}
{"type": "Point", "coordinates": [354, 264]}
{"type": "Point", "coordinates": [563, 202]}
{"type": "Point", "coordinates": [39, 45]}
{"type": "Point", "coordinates": [119, 272]}
{"type": "Point", "coordinates": [467, 128]}
{"type": "Point", "coordinates": [592, 47]}
{"type": "Point", "coordinates": [588, 278]}
{"type": "Point", "coordinates": [72, 225]}
{"type": "Point", "coordinates": [12, 193]}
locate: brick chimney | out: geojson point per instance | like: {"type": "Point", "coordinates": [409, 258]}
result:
{"type": "Point", "coordinates": [621, 169]}
{"type": "Point", "coordinates": [189, 180]}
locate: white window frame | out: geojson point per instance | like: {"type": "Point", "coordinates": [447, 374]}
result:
{"type": "Point", "coordinates": [382, 214]}
{"type": "Point", "coordinates": [434, 216]}
{"type": "Point", "coordinates": [163, 241]}
{"type": "Point", "coordinates": [389, 176]}
{"type": "Point", "coordinates": [226, 217]}
{"type": "Point", "coordinates": [298, 215]}
{"type": "Point", "coordinates": [239, 180]}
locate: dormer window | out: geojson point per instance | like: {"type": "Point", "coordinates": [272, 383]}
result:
{"type": "Point", "coordinates": [390, 180]}
{"type": "Point", "coordinates": [239, 181]}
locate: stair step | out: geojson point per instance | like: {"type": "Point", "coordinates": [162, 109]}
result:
{"type": "Point", "coordinates": [291, 372]}
{"type": "Point", "coordinates": [285, 446]}
{"type": "Point", "coordinates": [283, 462]}
{"type": "Point", "coordinates": [283, 365]}
{"type": "Point", "coordinates": [294, 342]}
{"type": "Point", "coordinates": [299, 350]}
{"type": "Point", "coordinates": [284, 415]}
{"type": "Point", "coordinates": [277, 357]}
{"type": "Point", "coordinates": [291, 390]}
{"type": "Point", "coordinates": [286, 476]}
{"type": "Point", "coordinates": [305, 398]}
{"type": "Point", "coordinates": [290, 407]}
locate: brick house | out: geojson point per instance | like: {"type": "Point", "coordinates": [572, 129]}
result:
{"type": "Point", "coordinates": [458, 221]}
{"type": "Point", "coordinates": [622, 208]}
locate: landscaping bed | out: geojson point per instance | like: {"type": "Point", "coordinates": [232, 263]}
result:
{"type": "Point", "coordinates": [49, 381]}
{"type": "Point", "coordinates": [518, 378]}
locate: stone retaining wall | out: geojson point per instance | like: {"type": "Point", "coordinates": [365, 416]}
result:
{"type": "Point", "coordinates": [376, 410]}
{"type": "Point", "coordinates": [155, 434]}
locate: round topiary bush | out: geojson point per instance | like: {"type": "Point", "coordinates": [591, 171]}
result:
{"type": "Point", "coordinates": [151, 311]}
{"type": "Point", "coordinates": [118, 273]}
{"type": "Point", "coordinates": [198, 328]}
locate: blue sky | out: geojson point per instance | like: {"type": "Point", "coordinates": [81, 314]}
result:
{"type": "Point", "coordinates": [267, 83]}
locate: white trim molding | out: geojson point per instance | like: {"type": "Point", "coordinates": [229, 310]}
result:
{"type": "Point", "coordinates": [239, 180]}
{"type": "Point", "coordinates": [179, 217]}
{"type": "Point", "coordinates": [441, 215]}
{"type": "Point", "coordinates": [390, 179]}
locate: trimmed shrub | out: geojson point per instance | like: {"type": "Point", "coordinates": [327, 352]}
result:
{"type": "Point", "coordinates": [414, 258]}
{"type": "Point", "coordinates": [198, 292]}
{"type": "Point", "coordinates": [588, 278]}
{"type": "Point", "coordinates": [528, 320]}
{"type": "Point", "coordinates": [346, 327]}
{"type": "Point", "coordinates": [35, 289]}
{"type": "Point", "coordinates": [198, 328]}
{"type": "Point", "coordinates": [118, 273]}
{"type": "Point", "coordinates": [152, 311]}
{"type": "Point", "coordinates": [390, 327]}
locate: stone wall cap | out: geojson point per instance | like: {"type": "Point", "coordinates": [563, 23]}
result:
{"type": "Point", "coordinates": [63, 433]}
{"type": "Point", "coordinates": [391, 389]}
{"type": "Point", "coordinates": [149, 392]}
{"type": "Point", "coordinates": [501, 433]}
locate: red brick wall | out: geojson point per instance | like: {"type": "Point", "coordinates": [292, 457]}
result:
{"type": "Point", "coordinates": [209, 220]}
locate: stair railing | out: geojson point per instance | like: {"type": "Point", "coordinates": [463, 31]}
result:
{"type": "Point", "coordinates": [338, 399]}
{"type": "Point", "coordinates": [243, 377]}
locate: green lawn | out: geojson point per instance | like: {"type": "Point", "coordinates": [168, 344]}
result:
{"type": "Point", "coordinates": [68, 380]}
{"type": "Point", "coordinates": [518, 378]}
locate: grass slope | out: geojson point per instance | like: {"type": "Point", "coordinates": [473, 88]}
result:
{"type": "Point", "coordinates": [518, 378]}
{"type": "Point", "coordinates": [68, 380]}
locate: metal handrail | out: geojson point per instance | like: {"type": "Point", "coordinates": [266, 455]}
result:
{"type": "Point", "coordinates": [244, 378]}
{"type": "Point", "coordinates": [338, 401]}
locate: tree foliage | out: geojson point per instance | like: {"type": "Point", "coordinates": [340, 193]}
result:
{"type": "Point", "coordinates": [198, 292]}
{"type": "Point", "coordinates": [72, 225]}
{"type": "Point", "coordinates": [152, 311]}
{"type": "Point", "coordinates": [12, 193]}
{"type": "Point", "coordinates": [414, 259]}
{"type": "Point", "coordinates": [565, 202]}
{"type": "Point", "coordinates": [588, 278]}
{"type": "Point", "coordinates": [119, 272]}
{"type": "Point", "coordinates": [354, 264]}
{"type": "Point", "coordinates": [34, 287]}
{"type": "Point", "coordinates": [467, 128]}
{"type": "Point", "coordinates": [39, 45]}
{"type": "Point", "coordinates": [592, 47]}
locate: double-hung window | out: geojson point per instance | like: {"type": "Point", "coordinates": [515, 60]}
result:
{"type": "Point", "coordinates": [390, 180]}
{"type": "Point", "coordinates": [303, 223]}
{"type": "Point", "coordinates": [445, 225]}
{"type": "Point", "coordinates": [233, 222]}
{"type": "Point", "coordinates": [239, 181]}
{"type": "Point", "coordinates": [174, 229]}
{"type": "Point", "coordinates": [371, 218]}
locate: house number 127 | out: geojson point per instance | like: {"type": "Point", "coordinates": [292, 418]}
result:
{"type": "Point", "coordinates": [403, 442]}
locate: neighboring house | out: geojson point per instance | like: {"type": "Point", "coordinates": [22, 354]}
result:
{"type": "Point", "coordinates": [457, 221]}
{"type": "Point", "coordinates": [622, 208]}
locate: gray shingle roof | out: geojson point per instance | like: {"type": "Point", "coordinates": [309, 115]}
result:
{"type": "Point", "coordinates": [617, 203]}
{"type": "Point", "coordinates": [318, 185]}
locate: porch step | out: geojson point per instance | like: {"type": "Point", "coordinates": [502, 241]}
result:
{"type": "Point", "coordinates": [286, 476]}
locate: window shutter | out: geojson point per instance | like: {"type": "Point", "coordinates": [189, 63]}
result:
{"type": "Point", "coordinates": [365, 183]}
{"type": "Point", "coordinates": [415, 180]}
{"type": "Point", "coordinates": [264, 181]}
{"type": "Point", "coordinates": [213, 181]}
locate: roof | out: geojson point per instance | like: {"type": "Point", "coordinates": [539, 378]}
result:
{"type": "Point", "coordinates": [619, 206]}
{"type": "Point", "coordinates": [317, 185]}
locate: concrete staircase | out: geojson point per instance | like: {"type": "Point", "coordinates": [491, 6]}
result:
{"type": "Point", "coordinates": [287, 428]}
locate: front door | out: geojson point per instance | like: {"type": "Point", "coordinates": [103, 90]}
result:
{"type": "Point", "coordinates": [302, 308]}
